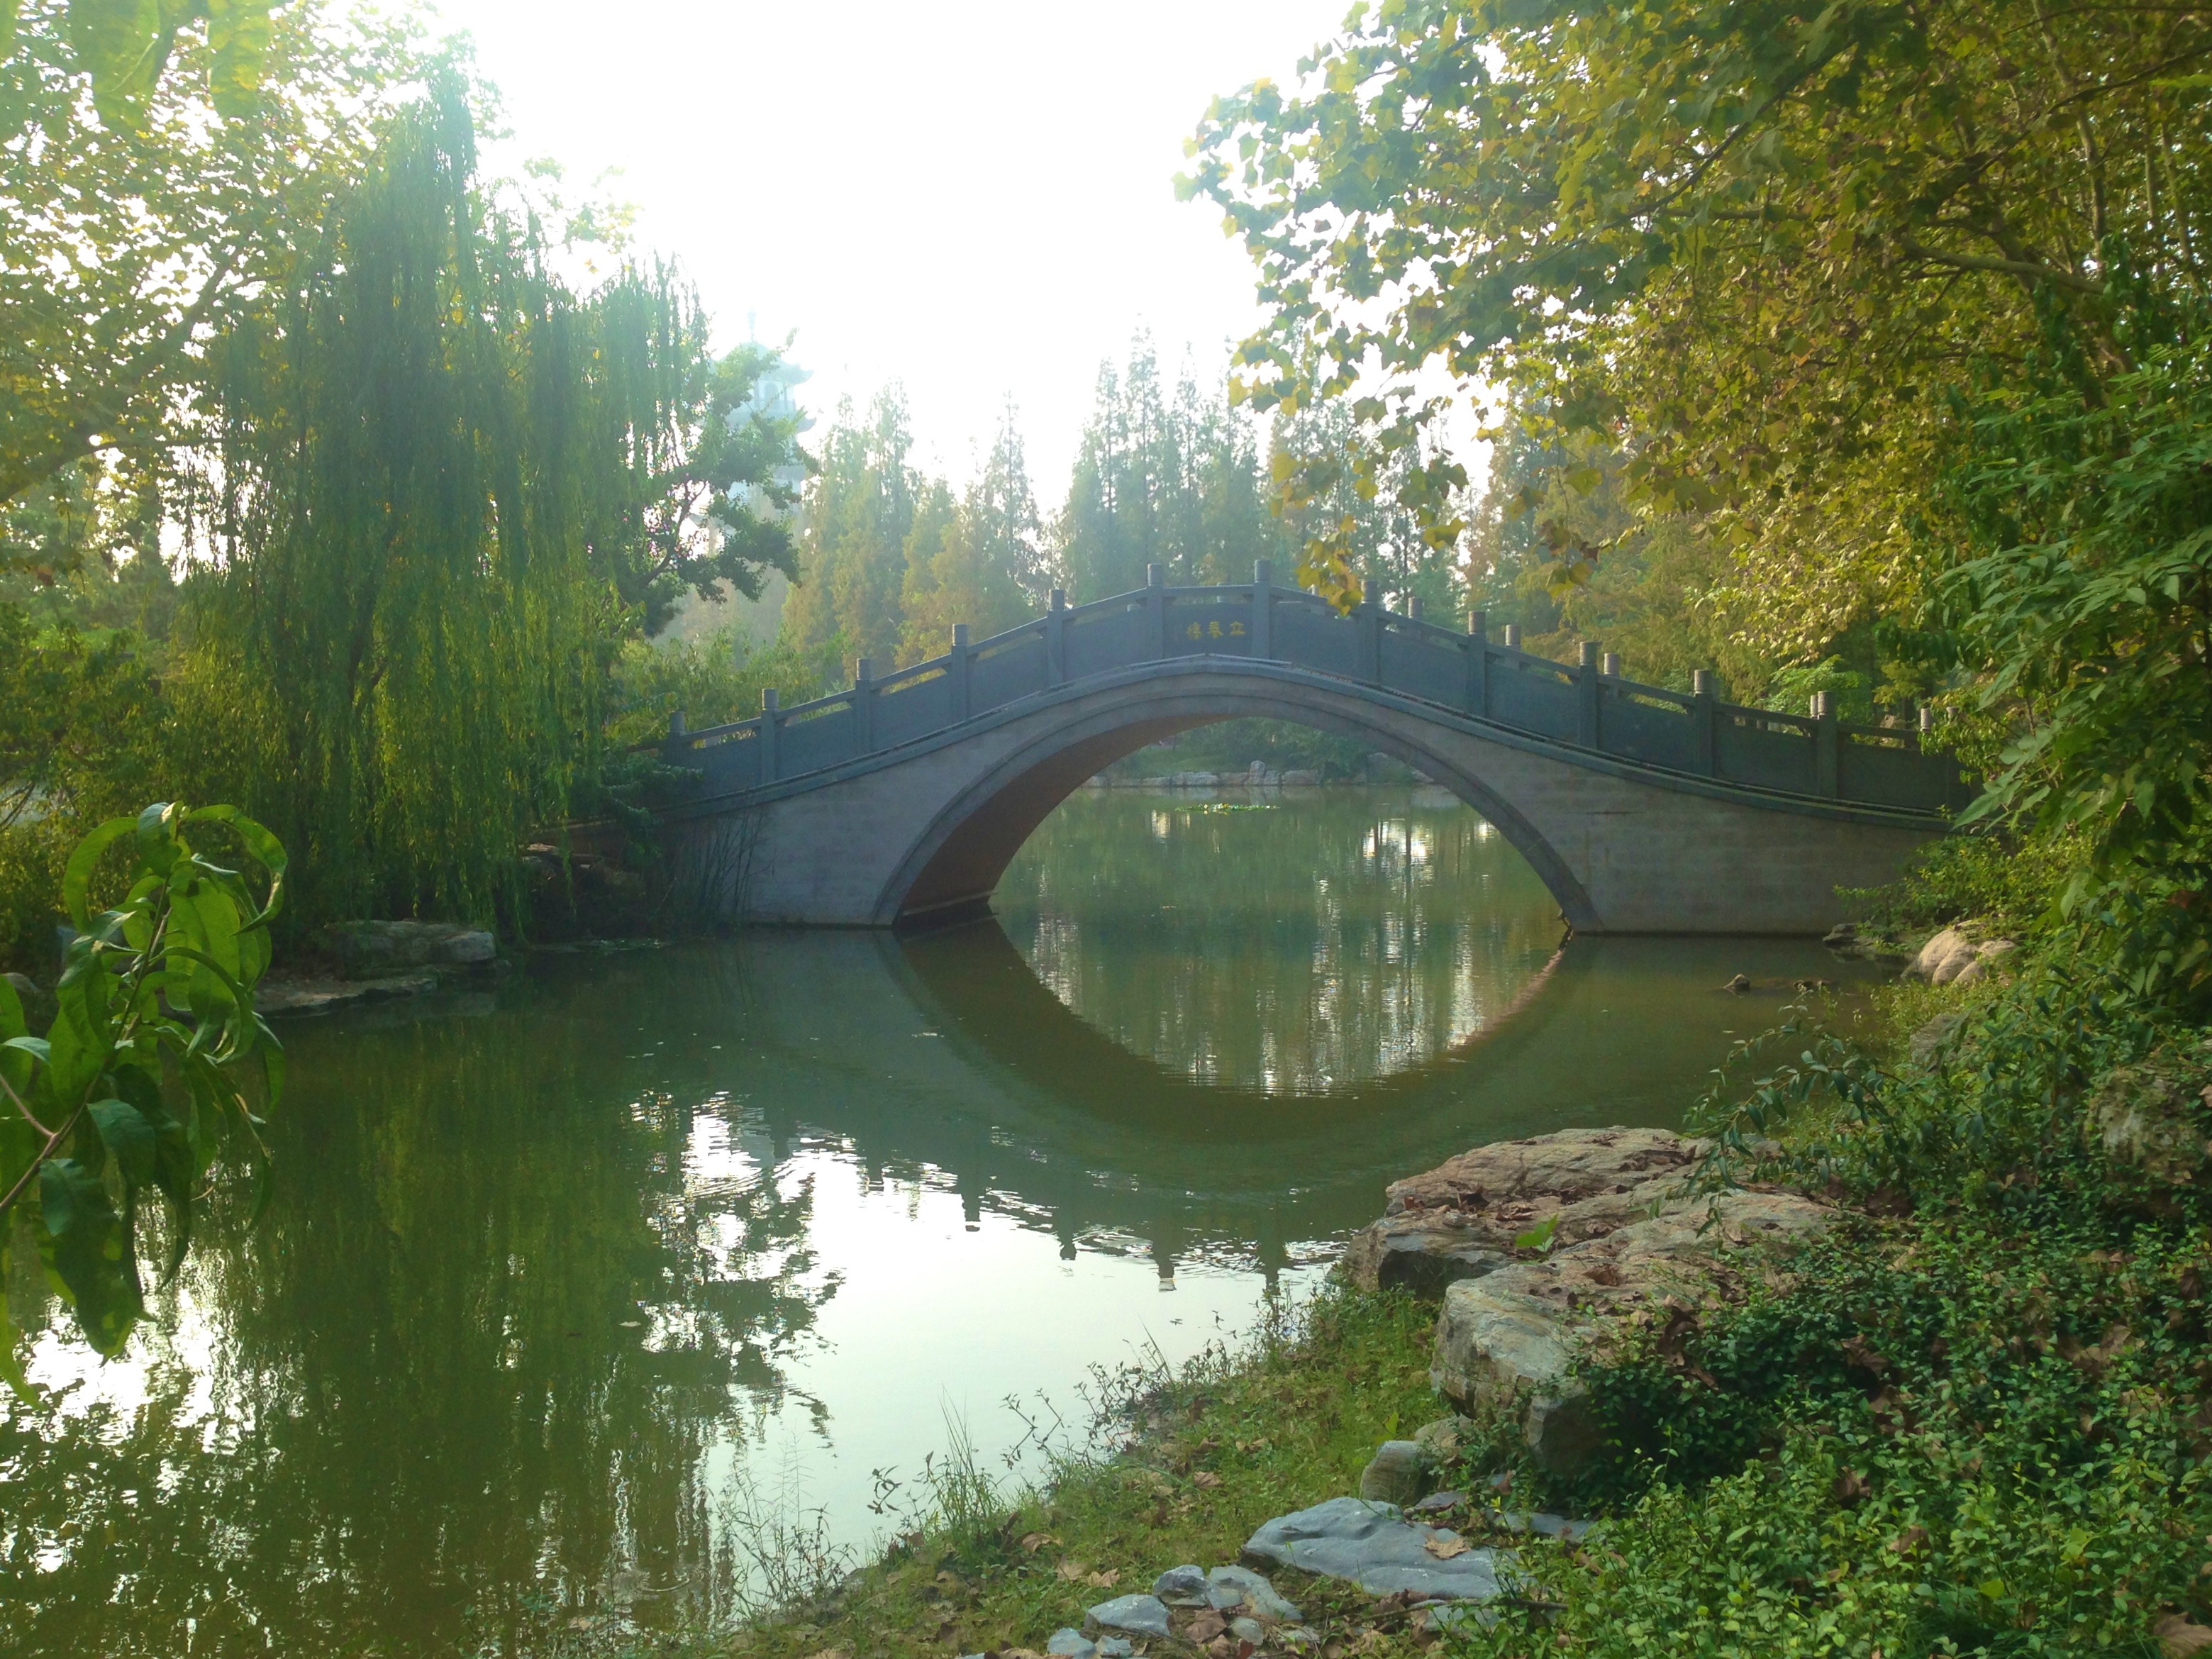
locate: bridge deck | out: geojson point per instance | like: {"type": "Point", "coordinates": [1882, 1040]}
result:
{"type": "Point", "coordinates": [1814, 759]}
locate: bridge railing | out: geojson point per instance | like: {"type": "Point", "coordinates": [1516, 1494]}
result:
{"type": "Point", "coordinates": [1588, 705]}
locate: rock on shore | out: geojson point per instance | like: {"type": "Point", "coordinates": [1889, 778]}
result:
{"type": "Point", "coordinates": [1460, 1220]}
{"type": "Point", "coordinates": [1548, 1249]}
{"type": "Point", "coordinates": [1510, 1339]}
{"type": "Point", "coordinates": [1958, 956]}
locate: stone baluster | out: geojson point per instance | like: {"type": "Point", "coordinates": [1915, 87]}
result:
{"type": "Point", "coordinates": [768, 723]}
{"type": "Point", "coordinates": [1263, 609]}
{"type": "Point", "coordinates": [1705, 716]}
{"type": "Point", "coordinates": [957, 667]}
{"type": "Point", "coordinates": [1478, 663]}
{"type": "Point", "coordinates": [1826, 748]}
{"type": "Point", "coordinates": [1368, 618]}
{"type": "Point", "coordinates": [1513, 636]}
{"type": "Point", "coordinates": [1586, 687]}
{"type": "Point", "coordinates": [1055, 639]}
{"type": "Point", "coordinates": [864, 707]}
{"type": "Point", "coordinates": [1156, 610]}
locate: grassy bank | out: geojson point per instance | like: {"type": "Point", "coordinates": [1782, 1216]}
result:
{"type": "Point", "coordinates": [1197, 1460]}
{"type": "Point", "coordinates": [1975, 1420]}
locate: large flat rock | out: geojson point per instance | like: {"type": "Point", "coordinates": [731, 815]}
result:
{"type": "Point", "coordinates": [1458, 1221]}
{"type": "Point", "coordinates": [1375, 1546]}
{"type": "Point", "coordinates": [1511, 1338]}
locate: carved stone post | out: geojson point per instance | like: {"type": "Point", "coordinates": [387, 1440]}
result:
{"type": "Point", "coordinates": [863, 707]}
{"type": "Point", "coordinates": [1263, 609]}
{"type": "Point", "coordinates": [1369, 617]}
{"type": "Point", "coordinates": [1478, 663]}
{"type": "Point", "coordinates": [1586, 685]}
{"type": "Point", "coordinates": [1826, 748]}
{"type": "Point", "coordinates": [768, 720]}
{"type": "Point", "coordinates": [956, 671]}
{"type": "Point", "coordinates": [1055, 639]}
{"type": "Point", "coordinates": [1704, 719]}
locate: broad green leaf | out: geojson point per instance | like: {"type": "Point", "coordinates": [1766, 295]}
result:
{"type": "Point", "coordinates": [156, 829]}
{"type": "Point", "coordinates": [175, 1173]}
{"type": "Point", "coordinates": [8, 10]}
{"type": "Point", "coordinates": [78, 1042]}
{"type": "Point", "coordinates": [122, 45]}
{"type": "Point", "coordinates": [77, 876]}
{"type": "Point", "coordinates": [89, 1253]}
{"type": "Point", "coordinates": [266, 849]}
{"type": "Point", "coordinates": [237, 36]}
{"type": "Point", "coordinates": [131, 1140]}
{"type": "Point", "coordinates": [11, 1359]}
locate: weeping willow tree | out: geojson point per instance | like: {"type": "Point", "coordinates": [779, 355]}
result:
{"type": "Point", "coordinates": [439, 488]}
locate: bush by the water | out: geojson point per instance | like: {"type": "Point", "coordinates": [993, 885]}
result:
{"type": "Point", "coordinates": [1974, 1419]}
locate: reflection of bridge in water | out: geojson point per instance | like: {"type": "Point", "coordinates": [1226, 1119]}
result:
{"type": "Point", "coordinates": [1643, 809]}
{"type": "Point", "coordinates": [944, 1058]}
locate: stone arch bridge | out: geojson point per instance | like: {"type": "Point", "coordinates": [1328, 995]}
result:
{"type": "Point", "coordinates": [902, 800]}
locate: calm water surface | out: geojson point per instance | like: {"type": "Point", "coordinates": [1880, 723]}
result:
{"type": "Point", "coordinates": [573, 1291]}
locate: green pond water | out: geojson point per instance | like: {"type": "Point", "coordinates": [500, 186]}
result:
{"type": "Point", "coordinates": [578, 1295]}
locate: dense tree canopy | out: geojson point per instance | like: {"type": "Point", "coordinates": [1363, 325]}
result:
{"type": "Point", "coordinates": [159, 166]}
{"type": "Point", "coordinates": [1754, 234]}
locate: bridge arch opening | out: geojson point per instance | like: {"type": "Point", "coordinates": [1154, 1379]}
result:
{"type": "Point", "coordinates": [952, 868]}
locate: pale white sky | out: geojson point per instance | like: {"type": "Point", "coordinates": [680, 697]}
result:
{"type": "Point", "coordinates": [973, 197]}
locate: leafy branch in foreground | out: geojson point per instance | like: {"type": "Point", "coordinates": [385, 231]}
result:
{"type": "Point", "coordinates": [162, 983]}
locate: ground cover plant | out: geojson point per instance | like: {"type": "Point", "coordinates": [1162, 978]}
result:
{"type": "Point", "coordinates": [1975, 1421]}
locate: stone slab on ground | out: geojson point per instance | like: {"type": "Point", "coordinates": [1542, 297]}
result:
{"type": "Point", "coordinates": [1511, 1338]}
{"type": "Point", "coordinates": [1375, 1546]}
{"type": "Point", "coordinates": [369, 950]}
{"type": "Point", "coordinates": [1131, 1615]}
{"type": "Point", "coordinates": [1458, 1221]}
{"type": "Point", "coordinates": [320, 996]}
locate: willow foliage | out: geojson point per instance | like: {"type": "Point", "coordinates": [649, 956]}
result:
{"type": "Point", "coordinates": [432, 469]}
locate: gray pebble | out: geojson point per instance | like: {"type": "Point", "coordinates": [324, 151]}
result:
{"type": "Point", "coordinates": [1233, 1588]}
{"type": "Point", "coordinates": [1182, 1587]}
{"type": "Point", "coordinates": [1248, 1630]}
{"type": "Point", "coordinates": [1137, 1616]}
{"type": "Point", "coordinates": [1116, 1647]}
{"type": "Point", "coordinates": [1068, 1643]}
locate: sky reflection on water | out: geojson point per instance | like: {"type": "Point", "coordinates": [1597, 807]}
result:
{"type": "Point", "coordinates": [568, 1288]}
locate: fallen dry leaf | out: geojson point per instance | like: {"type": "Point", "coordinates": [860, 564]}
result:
{"type": "Point", "coordinates": [1444, 1546]}
{"type": "Point", "coordinates": [1204, 1628]}
{"type": "Point", "coordinates": [2179, 1635]}
{"type": "Point", "coordinates": [1072, 1569]}
{"type": "Point", "coordinates": [1910, 1539]}
{"type": "Point", "coordinates": [1033, 1541]}
{"type": "Point", "coordinates": [1207, 1479]}
{"type": "Point", "coordinates": [1103, 1580]}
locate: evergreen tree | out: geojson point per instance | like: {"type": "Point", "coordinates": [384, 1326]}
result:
{"type": "Point", "coordinates": [860, 512]}
{"type": "Point", "coordinates": [1178, 482]}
